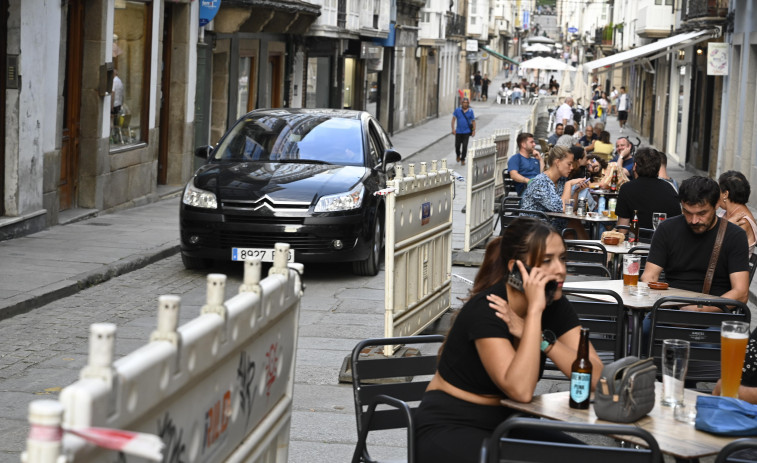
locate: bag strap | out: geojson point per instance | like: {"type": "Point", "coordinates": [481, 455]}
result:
{"type": "Point", "coordinates": [714, 256]}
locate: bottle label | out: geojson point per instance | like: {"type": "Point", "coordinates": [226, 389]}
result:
{"type": "Point", "coordinates": [580, 386]}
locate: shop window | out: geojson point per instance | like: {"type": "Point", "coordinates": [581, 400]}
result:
{"type": "Point", "coordinates": [131, 50]}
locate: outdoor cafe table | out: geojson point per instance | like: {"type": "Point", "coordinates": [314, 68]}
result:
{"type": "Point", "coordinates": [675, 438]}
{"type": "Point", "coordinates": [594, 222]}
{"type": "Point", "coordinates": [638, 305]}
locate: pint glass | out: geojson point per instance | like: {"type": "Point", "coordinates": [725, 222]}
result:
{"type": "Point", "coordinates": [734, 337]}
{"type": "Point", "coordinates": [631, 265]}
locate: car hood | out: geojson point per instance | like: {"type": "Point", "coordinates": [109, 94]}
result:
{"type": "Point", "coordinates": [300, 182]}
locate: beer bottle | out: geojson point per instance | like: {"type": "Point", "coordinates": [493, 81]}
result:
{"type": "Point", "coordinates": [633, 232]}
{"type": "Point", "coordinates": [614, 181]}
{"type": "Point", "coordinates": [580, 376]}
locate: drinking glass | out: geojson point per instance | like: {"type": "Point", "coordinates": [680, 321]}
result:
{"type": "Point", "coordinates": [734, 337]}
{"type": "Point", "coordinates": [675, 362]}
{"type": "Point", "coordinates": [658, 217]}
{"type": "Point", "coordinates": [569, 207]}
{"type": "Point", "coordinates": [631, 264]}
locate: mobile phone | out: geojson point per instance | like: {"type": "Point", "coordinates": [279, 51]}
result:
{"type": "Point", "coordinates": [516, 281]}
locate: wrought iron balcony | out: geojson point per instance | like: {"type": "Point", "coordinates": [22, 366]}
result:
{"type": "Point", "coordinates": [698, 10]}
{"type": "Point", "coordinates": [455, 25]}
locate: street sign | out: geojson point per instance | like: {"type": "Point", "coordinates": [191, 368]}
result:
{"type": "Point", "coordinates": [573, 30]}
{"type": "Point", "coordinates": [208, 10]}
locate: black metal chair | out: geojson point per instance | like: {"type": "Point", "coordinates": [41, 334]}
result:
{"type": "Point", "coordinates": [645, 234]}
{"type": "Point", "coordinates": [586, 258]}
{"type": "Point", "coordinates": [507, 202]}
{"type": "Point", "coordinates": [503, 446]}
{"type": "Point", "coordinates": [606, 320]}
{"type": "Point", "coordinates": [730, 453]}
{"type": "Point", "coordinates": [509, 184]}
{"type": "Point", "coordinates": [701, 329]}
{"type": "Point", "coordinates": [387, 382]}
{"type": "Point", "coordinates": [509, 214]}
{"type": "Point", "coordinates": [752, 266]}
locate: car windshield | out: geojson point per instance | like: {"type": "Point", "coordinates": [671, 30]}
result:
{"type": "Point", "coordinates": [294, 138]}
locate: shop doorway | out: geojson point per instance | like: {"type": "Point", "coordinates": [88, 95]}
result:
{"type": "Point", "coordinates": [3, 48]}
{"type": "Point", "coordinates": [275, 78]}
{"type": "Point", "coordinates": [69, 152]}
{"type": "Point", "coordinates": [165, 94]}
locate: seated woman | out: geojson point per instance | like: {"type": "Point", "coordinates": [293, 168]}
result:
{"type": "Point", "coordinates": [550, 190]}
{"type": "Point", "coordinates": [495, 347]}
{"type": "Point", "coordinates": [602, 147]}
{"type": "Point", "coordinates": [734, 193]}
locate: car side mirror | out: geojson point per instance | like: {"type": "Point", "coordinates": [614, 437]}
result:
{"type": "Point", "coordinates": [204, 151]}
{"type": "Point", "coordinates": [390, 156]}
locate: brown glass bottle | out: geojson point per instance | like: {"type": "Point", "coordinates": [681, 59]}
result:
{"type": "Point", "coordinates": [614, 181]}
{"type": "Point", "coordinates": [633, 232]}
{"type": "Point", "coordinates": [580, 376]}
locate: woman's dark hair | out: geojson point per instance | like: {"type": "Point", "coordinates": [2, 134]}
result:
{"type": "Point", "coordinates": [525, 239]}
{"type": "Point", "coordinates": [737, 186]}
{"type": "Point", "coordinates": [604, 136]}
{"type": "Point", "coordinates": [578, 152]}
{"type": "Point", "coordinates": [490, 272]}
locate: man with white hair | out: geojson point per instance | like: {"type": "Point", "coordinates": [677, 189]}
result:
{"type": "Point", "coordinates": [564, 114]}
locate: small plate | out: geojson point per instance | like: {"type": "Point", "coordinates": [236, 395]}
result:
{"type": "Point", "coordinates": [658, 285]}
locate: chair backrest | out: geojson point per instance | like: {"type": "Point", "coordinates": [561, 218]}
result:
{"type": "Point", "coordinates": [544, 145]}
{"type": "Point", "coordinates": [586, 258]}
{"type": "Point", "coordinates": [374, 375]}
{"type": "Point", "coordinates": [509, 184]}
{"type": "Point", "coordinates": [502, 446]}
{"type": "Point", "coordinates": [508, 214]}
{"type": "Point", "coordinates": [728, 454]}
{"type": "Point", "coordinates": [752, 265]}
{"type": "Point", "coordinates": [701, 329]}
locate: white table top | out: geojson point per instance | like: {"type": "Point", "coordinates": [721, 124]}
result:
{"type": "Point", "coordinates": [618, 248]}
{"type": "Point", "coordinates": [631, 301]}
{"type": "Point", "coordinates": [598, 218]}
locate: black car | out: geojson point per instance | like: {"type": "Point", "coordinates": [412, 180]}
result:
{"type": "Point", "coordinates": [306, 177]}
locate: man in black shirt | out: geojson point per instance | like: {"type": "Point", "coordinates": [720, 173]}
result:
{"type": "Point", "coordinates": [682, 246]}
{"type": "Point", "coordinates": [646, 194]}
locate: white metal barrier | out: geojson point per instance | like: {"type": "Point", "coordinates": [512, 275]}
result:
{"type": "Point", "coordinates": [218, 388]}
{"type": "Point", "coordinates": [502, 142]}
{"type": "Point", "coordinates": [479, 192]}
{"type": "Point", "coordinates": [418, 252]}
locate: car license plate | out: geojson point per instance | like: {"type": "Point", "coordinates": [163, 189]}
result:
{"type": "Point", "coordinates": [265, 255]}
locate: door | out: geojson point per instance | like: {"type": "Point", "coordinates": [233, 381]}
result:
{"type": "Point", "coordinates": [275, 79]}
{"type": "Point", "coordinates": [3, 47]}
{"type": "Point", "coordinates": [69, 152]}
{"type": "Point", "coordinates": [165, 95]}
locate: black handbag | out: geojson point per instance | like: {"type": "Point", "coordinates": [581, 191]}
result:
{"type": "Point", "coordinates": [625, 391]}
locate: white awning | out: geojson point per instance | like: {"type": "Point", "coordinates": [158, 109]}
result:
{"type": "Point", "coordinates": [674, 43]}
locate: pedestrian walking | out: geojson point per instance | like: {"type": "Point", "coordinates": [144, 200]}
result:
{"type": "Point", "coordinates": [485, 87]}
{"type": "Point", "coordinates": [477, 86]}
{"type": "Point", "coordinates": [463, 127]}
{"type": "Point", "coordinates": [614, 102]}
{"type": "Point", "coordinates": [623, 106]}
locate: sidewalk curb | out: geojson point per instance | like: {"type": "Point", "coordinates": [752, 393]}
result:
{"type": "Point", "coordinates": [55, 291]}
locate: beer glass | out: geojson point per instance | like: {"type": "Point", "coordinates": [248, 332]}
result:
{"type": "Point", "coordinates": [631, 265]}
{"type": "Point", "coordinates": [734, 337]}
{"type": "Point", "coordinates": [675, 362]}
{"type": "Point", "coordinates": [658, 218]}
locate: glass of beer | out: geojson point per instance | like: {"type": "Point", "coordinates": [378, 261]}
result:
{"type": "Point", "coordinates": [631, 264]}
{"type": "Point", "coordinates": [734, 337]}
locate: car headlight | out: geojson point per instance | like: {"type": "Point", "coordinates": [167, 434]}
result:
{"type": "Point", "coordinates": [196, 197]}
{"type": "Point", "coordinates": [342, 201]}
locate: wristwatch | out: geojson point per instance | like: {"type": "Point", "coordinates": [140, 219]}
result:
{"type": "Point", "coordinates": [548, 339]}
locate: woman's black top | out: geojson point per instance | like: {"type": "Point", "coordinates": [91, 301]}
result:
{"type": "Point", "coordinates": [460, 364]}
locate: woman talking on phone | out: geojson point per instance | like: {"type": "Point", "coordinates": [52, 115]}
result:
{"type": "Point", "coordinates": [551, 190]}
{"type": "Point", "coordinates": [498, 345]}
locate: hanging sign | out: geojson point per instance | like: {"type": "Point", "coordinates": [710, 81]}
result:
{"type": "Point", "coordinates": [208, 10]}
{"type": "Point", "coordinates": [717, 59]}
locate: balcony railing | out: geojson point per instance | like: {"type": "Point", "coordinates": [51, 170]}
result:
{"type": "Point", "coordinates": [455, 25]}
{"type": "Point", "coordinates": [705, 9]}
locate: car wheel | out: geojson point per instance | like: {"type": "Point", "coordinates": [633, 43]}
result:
{"type": "Point", "coordinates": [194, 263]}
{"type": "Point", "coordinates": [371, 266]}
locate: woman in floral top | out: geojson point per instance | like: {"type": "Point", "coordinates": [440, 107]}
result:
{"type": "Point", "coordinates": [547, 191]}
